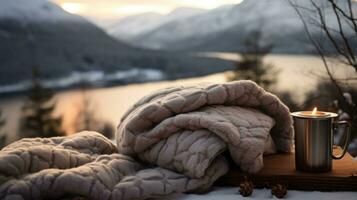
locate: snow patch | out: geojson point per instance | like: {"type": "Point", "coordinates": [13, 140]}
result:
{"type": "Point", "coordinates": [93, 77]}
{"type": "Point", "coordinates": [348, 98]}
{"type": "Point", "coordinates": [231, 193]}
{"type": "Point", "coordinates": [75, 77]}
{"type": "Point", "coordinates": [143, 75]}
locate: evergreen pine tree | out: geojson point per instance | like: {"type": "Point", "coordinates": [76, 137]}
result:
{"type": "Point", "coordinates": [251, 66]}
{"type": "Point", "coordinates": [2, 135]}
{"type": "Point", "coordinates": [87, 119]}
{"type": "Point", "coordinates": [38, 120]}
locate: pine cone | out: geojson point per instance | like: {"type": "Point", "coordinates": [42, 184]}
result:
{"type": "Point", "coordinates": [246, 188]}
{"type": "Point", "coordinates": [279, 190]}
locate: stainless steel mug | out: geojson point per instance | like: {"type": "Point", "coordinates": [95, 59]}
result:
{"type": "Point", "coordinates": [314, 140]}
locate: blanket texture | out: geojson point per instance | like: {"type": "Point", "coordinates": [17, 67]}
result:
{"type": "Point", "coordinates": [170, 141]}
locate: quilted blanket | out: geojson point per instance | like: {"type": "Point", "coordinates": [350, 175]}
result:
{"type": "Point", "coordinates": [168, 142]}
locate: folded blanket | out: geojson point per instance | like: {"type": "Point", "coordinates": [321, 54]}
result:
{"type": "Point", "coordinates": [170, 141]}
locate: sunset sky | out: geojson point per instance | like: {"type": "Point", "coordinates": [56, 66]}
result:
{"type": "Point", "coordinates": [102, 11]}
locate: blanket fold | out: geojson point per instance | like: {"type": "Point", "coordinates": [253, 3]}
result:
{"type": "Point", "coordinates": [170, 141]}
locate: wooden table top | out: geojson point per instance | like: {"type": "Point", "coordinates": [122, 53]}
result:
{"type": "Point", "coordinates": [280, 168]}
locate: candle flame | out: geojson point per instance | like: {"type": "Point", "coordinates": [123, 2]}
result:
{"type": "Point", "coordinates": [314, 111]}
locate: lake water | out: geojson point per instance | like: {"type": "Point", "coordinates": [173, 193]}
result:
{"type": "Point", "coordinates": [299, 75]}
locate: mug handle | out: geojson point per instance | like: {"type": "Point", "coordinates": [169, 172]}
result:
{"type": "Point", "coordinates": [337, 125]}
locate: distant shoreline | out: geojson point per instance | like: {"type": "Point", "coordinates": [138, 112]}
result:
{"type": "Point", "coordinates": [101, 79]}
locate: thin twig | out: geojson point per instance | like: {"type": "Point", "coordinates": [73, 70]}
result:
{"type": "Point", "coordinates": [349, 56]}
{"type": "Point", "coordinates": [320, 52]}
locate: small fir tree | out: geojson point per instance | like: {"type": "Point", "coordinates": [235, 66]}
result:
{"type": "Point", "coordinates": [38, 120]}
{"type": "Point", "coordinates": [251, 66]}
{"type": "Point", "coordinates": [2, 135]}
{"type": "Point", "coordinates": [86, 119]}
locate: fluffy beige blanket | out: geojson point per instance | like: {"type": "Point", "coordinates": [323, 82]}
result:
{"type": "Point", "coordinates": [170, 141]}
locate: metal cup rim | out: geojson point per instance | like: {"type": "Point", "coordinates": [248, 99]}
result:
{"type": "Point", "coordinates": [328, 116]}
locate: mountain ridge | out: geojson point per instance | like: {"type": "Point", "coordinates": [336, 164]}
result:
{"type": "Point", "coordinates": [135, 25]}
{"type": "Point", "coordinates": [63, 47]}
{"type": "Point", "coordinates": [201, 32]}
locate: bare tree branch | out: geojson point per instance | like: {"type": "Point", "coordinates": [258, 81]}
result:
{"type": "Point", "coordinates": [349, 55]}
{"type": "Point", "coordinates": [343, 45]}
{"type": "Point", "coordinates": [350, 17]}
{"type": "Point", "coordinates": [353, 20]}
{"type": "Point", "coordinates": [326, 30]}
{"type": "Point", "coordinates": [318, 49]}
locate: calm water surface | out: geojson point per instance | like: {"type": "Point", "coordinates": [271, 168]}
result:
{"type": "Point", "coordinates": [298, 74]}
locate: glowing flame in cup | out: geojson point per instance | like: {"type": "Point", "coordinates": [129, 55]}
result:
{"type": "Point", "coordinates": [314, 111]}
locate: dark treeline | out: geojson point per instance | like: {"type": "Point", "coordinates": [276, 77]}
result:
{"type": "Point", "coordinates": [38, 119]}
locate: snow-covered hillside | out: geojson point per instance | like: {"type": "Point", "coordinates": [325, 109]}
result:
{"type": "Point", "coordinates": [226, 27]}
{"type": "Point", "coordinates": [93, 77]}
{"type": "Point", "coordinates": [133, 26]}
{"type": "Point", "coordinates": [40, 33]}
{"type": "Point", "coordinates": [221, 29]}
{"type": "Point", "coordinates": [179, 32]}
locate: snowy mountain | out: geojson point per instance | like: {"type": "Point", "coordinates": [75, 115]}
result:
{"type": "Point", "coordinates": [131, 27]}
{"type": "Point", "coordinates": [222, 28]}
{"type": "Point", "coordinates": [40, 33]}
{"type": "Point", "coordinates": [64, 47]}
{"type": "Point", "coordinates": [225, 28]}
